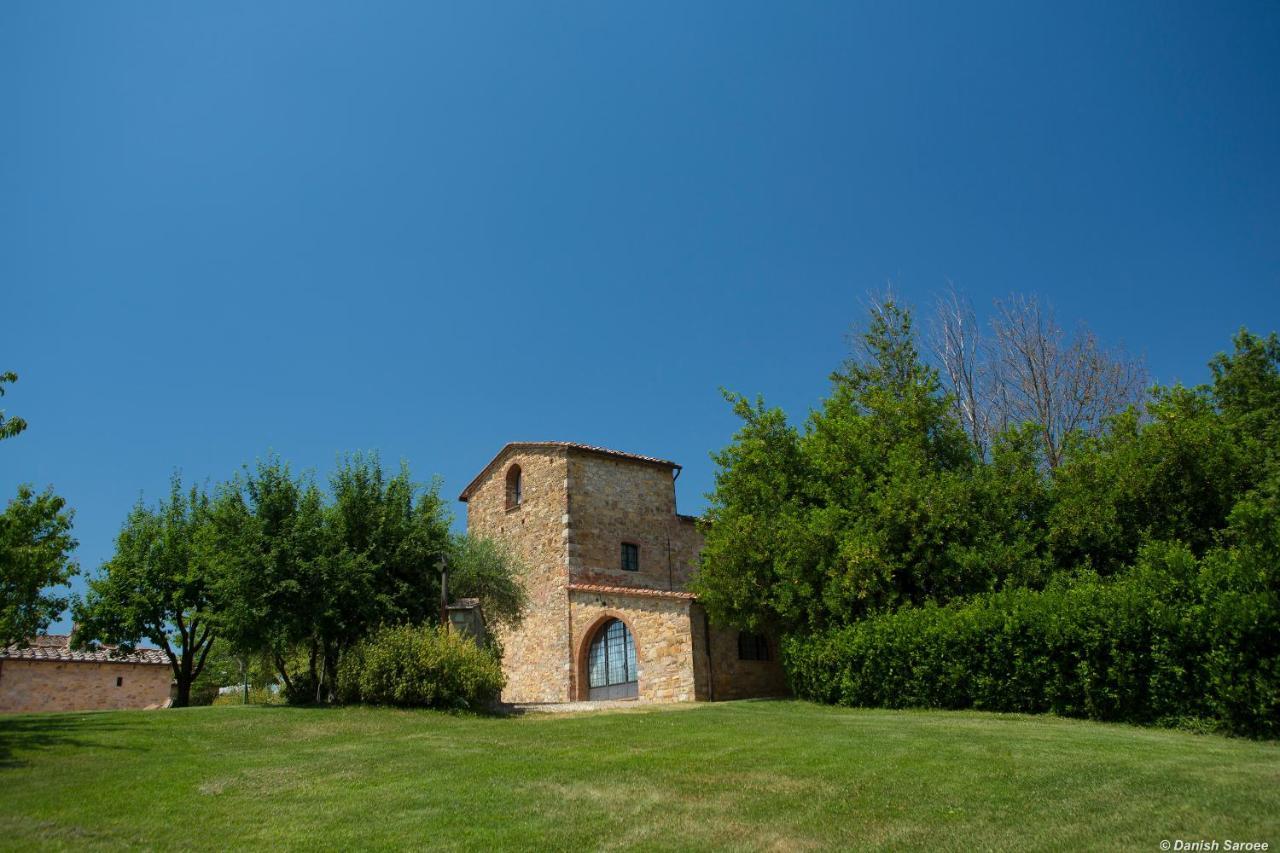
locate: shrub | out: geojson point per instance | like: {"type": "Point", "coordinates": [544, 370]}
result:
{"type": "Point", "coordinates": [1240, 587]}
{"type": "Point", "coordinates": [1172, 639]}
{"type": "Point", "coordinates": [419, 667]}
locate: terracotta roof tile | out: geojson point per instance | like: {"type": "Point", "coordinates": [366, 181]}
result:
{"type": "Point", "coordinates": [57, 647]}
{"type": "Point", "coordinates": [631, 590]}
{"type": "Point", "coordinates": [571, 445]}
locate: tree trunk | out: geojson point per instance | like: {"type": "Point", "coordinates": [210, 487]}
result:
{"type": "Point", "coordinates": [184, 677]}
{"type": "Point", "coordinates": [283, 670]}
{"type": "Point", "coordinates": [320, 681]}
{"type": "Point", "coordinates": [332, 676]}
{"type": "Point", "coordinates": [311, 663]}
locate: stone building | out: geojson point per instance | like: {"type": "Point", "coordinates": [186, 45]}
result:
{"type": "Point", "coordinates": [607, 561]}
{"type": "Point", "coordinates": [47, 675]}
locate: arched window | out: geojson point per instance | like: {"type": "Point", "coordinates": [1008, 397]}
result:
{"type": "Point", "coordinates": [515, 487]}
{"type": "Point", "coordinates": [611, 663]}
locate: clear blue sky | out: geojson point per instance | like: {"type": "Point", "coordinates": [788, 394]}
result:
{"type": "Point", "coordinates": [430, 229]}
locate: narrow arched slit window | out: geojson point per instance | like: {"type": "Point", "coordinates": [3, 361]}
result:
{"type": "Point", "coordinates": [515, 487]}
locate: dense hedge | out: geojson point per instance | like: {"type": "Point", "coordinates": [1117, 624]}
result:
{"type": "Point", "coordinates": [420, 667]}
{"type": "Point", "coordinates": [1171, 640]}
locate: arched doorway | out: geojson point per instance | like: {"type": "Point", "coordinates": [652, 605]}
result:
{"type": "Point", "coordinates": [611, 663]}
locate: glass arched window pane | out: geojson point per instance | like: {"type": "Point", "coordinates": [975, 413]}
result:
{"type": "Point", "coordinates": [596, 664]}
{"type": "Point", "coordinates": [617, 641]}
{"type": "Point", "coordinates": [631, 658]}
{"type": "Point", "coordinates": [611, 663]}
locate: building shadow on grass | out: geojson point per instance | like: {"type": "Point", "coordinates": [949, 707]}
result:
{"type": "Point", "coordinates": [29, 733]}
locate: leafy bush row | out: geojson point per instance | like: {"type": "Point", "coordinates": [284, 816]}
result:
{"type": "Point", "coordinates": [420, 667]}
{"type": "Point", "coordinates": [1172, 639]}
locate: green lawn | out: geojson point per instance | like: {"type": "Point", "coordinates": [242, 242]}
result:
{"type": "Point", "coordinates": [755, 775]}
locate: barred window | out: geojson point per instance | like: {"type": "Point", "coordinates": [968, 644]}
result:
{"type": "Point", "coordinates": [752, 646]}
{"type": "Point", "coordinates": [630, 557]}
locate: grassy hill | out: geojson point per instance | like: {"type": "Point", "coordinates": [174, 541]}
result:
{"type": "Point", "coordinates": [762, 775]}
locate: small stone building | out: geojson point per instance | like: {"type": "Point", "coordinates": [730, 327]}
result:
{"type": "Point", "coordinates": [608, 560]}
{"type": "Point", "coordinates": [47, 675]}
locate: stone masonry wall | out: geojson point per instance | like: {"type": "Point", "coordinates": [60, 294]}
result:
{"type": "Point", "coordinates": [744, 679]}
{"type": "Point", "coordinates": [686, 546]}
{"type": "Point", "coordinates": [661, 631]}
{"type": "Point", "coordinates": [536, 656]}
{"type": "Point", "coordinates": [612, 501]}
{"type": "Point", "coordinates": [48, 685]}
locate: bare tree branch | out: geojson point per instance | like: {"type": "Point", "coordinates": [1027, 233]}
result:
{"type": "Point", "coordinates": [1064, 384]}
{"type": "Point", "coordinates": [958, 345]}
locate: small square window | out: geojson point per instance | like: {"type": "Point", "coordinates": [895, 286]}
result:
{"type": "Point", "coordinates": [120, 681]}
{"type": "Point", "coordinates": [752, 647]}
{"type": "Point", "coordinates": [630, 557]}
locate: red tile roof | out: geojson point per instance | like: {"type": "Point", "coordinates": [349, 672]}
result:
{"type": "Point", "coordinates": [571, 445]}
{"type": "Point", "coordinates": [631, 590]}
{"type": "Point", "coordinates": [57, 647]}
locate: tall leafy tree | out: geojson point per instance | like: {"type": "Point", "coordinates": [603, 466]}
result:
{"type": "Point", "coordinates": [35, 551]}
{"type": "Point", "coordinates": [1006, 505]}
{"type": "Point", "coordinates": [756, 572]}
{"type": "Point", "coordinates": [304, 576]}
{"type": "Point", "coordinates": [269, 541]}
{"type": "Point", "coordinates": [893, 469]}
{"type": "Point", "coordinates": [1246, 388]}
{"type": "Point", "coordinates": [158, 586]}
{"type": "Point", "coordinates": [1170, 472]}
{"type": "Point", "coordinates": [35, 557]}
{"type": "Point", "coordinates": [386, 535]}
{"type": "Point", "coordinates": [872, 506]}
{"type": "Point", "coordinates": [1175, 470]}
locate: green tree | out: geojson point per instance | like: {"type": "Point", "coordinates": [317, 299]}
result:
{"type": "Point", "coordinates": [876, 504]}
{"type": "Point", "coordinates": [1007, 505]}
{"type": "Point", "coordinates": [755, 573]}
{"type": "Point", "coordinates": [11, 426]}
{"type": "Point", "coordinates": [35, 551]}
{"type": "Point", "coordinates": [158, 586]}
{"type": "Point", "coordinates": [1169, 473]}
{"type": "Point", "coordinates": [487, 570]}
{"type": "Point", "coordinates": [35, 555]}
{"type": "Point", "coordinates": [1246, 388]}
{"type": "Point", "coordinates": [269, 538]}
{"type": "Point", "coordinates": [385, 536]}
{"type": "Point", "coordinates": [1174, 470]}
{"type": "Point", "coordinates": [893, 469]}
{"type": "Point", "coordinates": [304, 578]}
